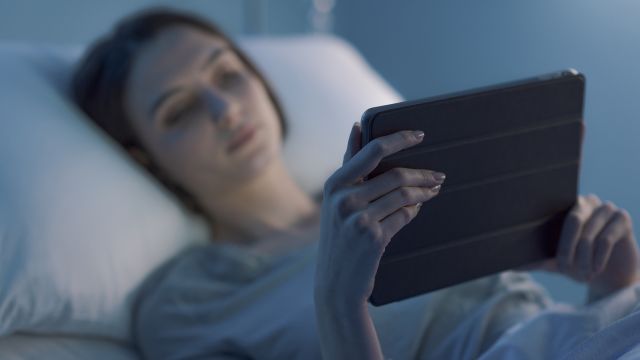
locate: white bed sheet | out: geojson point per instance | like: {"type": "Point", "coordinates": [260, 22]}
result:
{"type": "Point", "coordinates": [607, 329]}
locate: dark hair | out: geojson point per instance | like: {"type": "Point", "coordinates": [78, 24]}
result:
{"type": "Point", "coordinates": [98, 84]}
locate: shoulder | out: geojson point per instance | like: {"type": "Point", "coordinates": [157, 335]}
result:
{"type": "Point", "coordinates": [200, 273]}
{"type": "Point", "coordinates": [209, 298]}
{"type": "Point", "coordinates": [176, 297]}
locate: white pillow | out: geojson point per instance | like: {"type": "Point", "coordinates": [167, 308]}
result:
{"type": "Point", "coordinates": [81, 226]}
{"type": "Point", "coordinates": [324, 85]}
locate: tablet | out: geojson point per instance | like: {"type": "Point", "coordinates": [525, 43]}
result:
{"type": "Point", "coordinates": [511, 153]}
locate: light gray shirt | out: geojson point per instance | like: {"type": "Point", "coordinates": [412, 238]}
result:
{"type": "Point", "coordinates": [221, 301]}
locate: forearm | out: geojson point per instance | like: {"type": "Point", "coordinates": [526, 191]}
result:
{"type": "Point", "coordinates": [347, 333]}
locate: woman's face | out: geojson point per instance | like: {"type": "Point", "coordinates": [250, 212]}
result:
{"type": "Point", "coordinates": [202, 115]}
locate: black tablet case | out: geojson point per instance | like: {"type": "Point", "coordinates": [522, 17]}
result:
{"type": "Point", "coordinates": [511, 153]}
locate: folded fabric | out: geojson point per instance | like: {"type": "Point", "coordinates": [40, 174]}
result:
{"type": "Point", "coordinates": [606, 329]}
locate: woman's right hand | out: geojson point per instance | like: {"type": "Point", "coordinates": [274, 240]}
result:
{"type": "Point", "coordinates": [359, 218]}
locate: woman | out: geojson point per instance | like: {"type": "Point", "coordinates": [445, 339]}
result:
{"type": "Point", "coordinates": [284, 277]}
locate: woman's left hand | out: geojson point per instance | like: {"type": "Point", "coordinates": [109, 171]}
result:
{"type": "Point", "coordinates": [597, 245]}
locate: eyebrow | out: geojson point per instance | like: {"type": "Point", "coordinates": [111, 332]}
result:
{"type": "Point", "coordinates": [213, 56]}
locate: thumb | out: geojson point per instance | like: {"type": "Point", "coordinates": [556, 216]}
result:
{"type": "Point", "coordinates": [355, 142]}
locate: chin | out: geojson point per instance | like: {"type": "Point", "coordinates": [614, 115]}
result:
{"type": "Point", "coordinates": [257, 160]}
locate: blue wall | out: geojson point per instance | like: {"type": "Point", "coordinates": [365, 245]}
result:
{"type": "Point", "coordinates": [81, 21]}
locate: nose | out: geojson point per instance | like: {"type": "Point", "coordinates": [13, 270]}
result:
{"type": "Point", "coordinates": [223, 110]}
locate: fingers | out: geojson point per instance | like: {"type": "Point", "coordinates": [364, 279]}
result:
{"type": "Point", "coordinates": [571, 228]}
{"type": "Point", "coordinates": [401, 197]}
{"type": "Point", "coordinates": [607, 239]}
{"type": "Point", "coordinates": [593, 226]}
{"type": "Point", "coordinates": [368, 158]}
{"type": "Point", "coordinates": [397, 220]}
{"type": "Point", "coordinates": [396, 178]}
{"type": "Point", "coordinates": [589, 237]}
{"type": "Point", "coordinates": [354, 142]}
{"type": "Point", "coordinates": [361, 196]}
{"type": "Point", "coordinates": [593, 200]}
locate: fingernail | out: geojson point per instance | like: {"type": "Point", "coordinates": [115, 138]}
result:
{"type": "Point", "coordinates": [419, 134]}
{"type": "Point", "coordinates": [436, 188]}
{"type": "Point", "coordinates": [439, 176]}
{"type": "Point", "coordinates": [418, 205]}
{"type": "Point", "coordinates": [357, 124]}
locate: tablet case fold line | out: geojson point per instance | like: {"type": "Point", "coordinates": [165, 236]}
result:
{"type": "Point", "coordinates": [468, 240]}
{"type": "Point", "coordinates": [420, 149]}
{"type": "Point", "coordinates": [510, 176]}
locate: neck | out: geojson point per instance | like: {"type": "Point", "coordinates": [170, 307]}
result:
{"type": "Point", "coordinates": [266, 206]}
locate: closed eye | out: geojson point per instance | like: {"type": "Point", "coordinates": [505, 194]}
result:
{"type": "Point", "coordinates": [229, 78]}
{"type": "Point", "coordinates": [179, 113]}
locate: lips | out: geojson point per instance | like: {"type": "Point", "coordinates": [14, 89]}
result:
{"type": "Point", "coordinates": [241, 137]}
